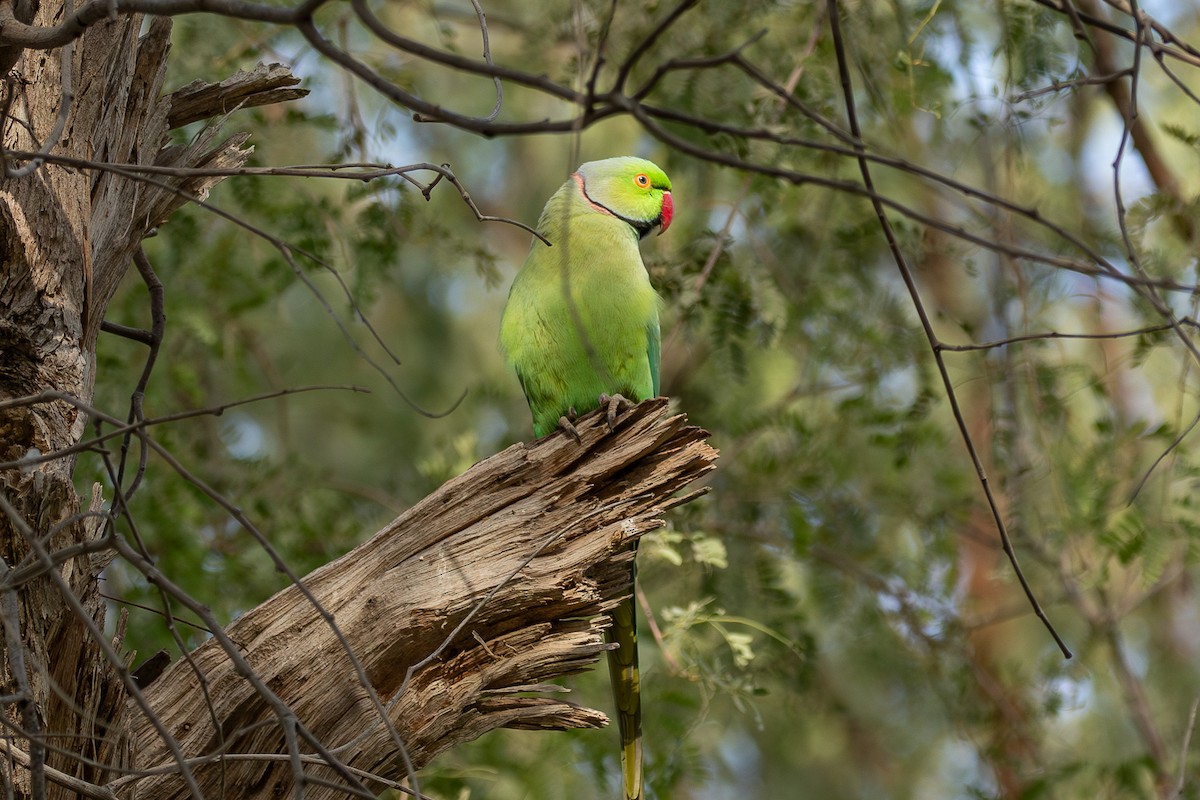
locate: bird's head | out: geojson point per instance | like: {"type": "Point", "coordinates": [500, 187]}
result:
{"type": "Point", "coordinates": [632, 189]}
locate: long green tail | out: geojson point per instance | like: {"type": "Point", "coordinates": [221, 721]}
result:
{"type": "Point", "coordinates": [625, 675]}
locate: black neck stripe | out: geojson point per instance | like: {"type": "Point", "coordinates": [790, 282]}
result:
{"type": "Point", "coordinates": [643, 227]}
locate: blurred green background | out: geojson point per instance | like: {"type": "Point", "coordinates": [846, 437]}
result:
{"type": "Point", "coordinates": [837, 618]}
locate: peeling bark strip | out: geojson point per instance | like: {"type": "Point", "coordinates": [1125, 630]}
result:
{"type": "Point", "coordinates": [532, 544]}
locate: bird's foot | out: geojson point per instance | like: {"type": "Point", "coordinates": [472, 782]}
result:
{"type": "Point", "coordinates": [616, 404]}
{"type": "Point", "coordinates": [566, 423]}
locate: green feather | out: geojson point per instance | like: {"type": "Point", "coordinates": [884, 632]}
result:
{"type": "Point", "coordinates": [654, 353]}
{"type": "Point", "coordinates": [582, 321]}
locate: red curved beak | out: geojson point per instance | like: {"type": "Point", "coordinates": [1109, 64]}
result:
{"type": "Point", "coordinates": [668, 211]}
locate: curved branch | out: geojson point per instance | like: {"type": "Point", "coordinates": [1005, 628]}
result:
{"type": "Point", "coordinates": [15, 33]}
{"type": "Point", "coordinates": [927, 326]}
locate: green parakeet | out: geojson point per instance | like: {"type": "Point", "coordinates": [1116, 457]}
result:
{"type": "Point", "coordinates": [581, 324]}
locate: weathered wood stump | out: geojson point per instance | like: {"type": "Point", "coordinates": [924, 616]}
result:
{"type": "Point", "coordinates": [457, 613]}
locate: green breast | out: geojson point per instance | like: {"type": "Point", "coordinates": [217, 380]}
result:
{"type": "Point", "coordinates": [582, 320]}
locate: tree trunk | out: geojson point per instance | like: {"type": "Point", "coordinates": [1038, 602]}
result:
{"type": "Point", "coordinates": [67, 234]}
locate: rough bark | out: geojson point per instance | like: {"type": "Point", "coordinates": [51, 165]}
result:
{"type": "Point", "coordinates": [503, 576]}
{"type": "Point", "coordinates": [66, 238]}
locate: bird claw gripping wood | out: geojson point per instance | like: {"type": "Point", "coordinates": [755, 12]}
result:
{"type": "Point", "coordinates": [566, 423]}
{"type": "Point", "coordinates": [616, 404]}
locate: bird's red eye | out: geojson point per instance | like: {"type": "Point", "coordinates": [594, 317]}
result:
{"type": "Point", "coordinates": [642, 179]}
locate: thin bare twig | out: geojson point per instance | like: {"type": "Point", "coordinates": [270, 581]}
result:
{"type": "Point", "coordinates": [158, 321]}
{"type": "Point", "coordinates": [647, 42]}
{"type": "Point", "coordinates": [123, 428]}
{"type": "Point", "coordinates": [10, 615]}
{"type": "Point", "coordinates": [598, 57]}
{"type": "Point", "coordinates": [1136, 700]}
{"type": "Point", "coordinates": [1070, 84]}
{"type": "Point", "coordinates": [360, 7]}
{"type": "Point", "coordinates": [1037, 337]}
{"type": "Point", "coordinates": [289, 253]}
{"type": "Point", "coordinates": [97, 636]}
{"type": "Point", "coordinates": [1184, 746]}
{"type": "Point", "coordinates": [927, 326]}
{"type": "Point", "coordinates": [293, 730]}
{"type": "Point", "coordinates": [66, 62]}
{"type": "Point", "coordinates": [24, 35]}
{"type": "Point", "coordinates": [80, 787]}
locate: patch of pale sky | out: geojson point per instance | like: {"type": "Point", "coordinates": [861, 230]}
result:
{"type": "Point", "coordinates": [243, 436]}
{"type": "Point", "coordinates": [957, 773]}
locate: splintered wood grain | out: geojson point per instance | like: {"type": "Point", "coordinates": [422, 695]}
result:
{"type": "Point", "coordinates": [532, 543]}
{"type": "Point", "coordinates": [263, 85]}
